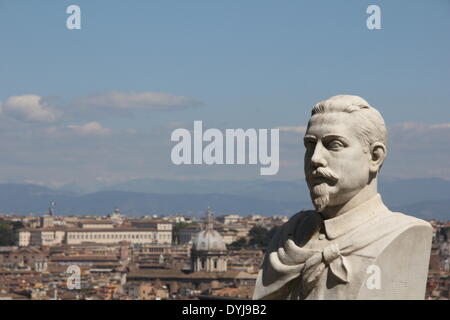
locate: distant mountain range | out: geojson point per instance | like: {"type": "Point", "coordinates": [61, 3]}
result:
{"type": "Point", "coordinates": [25, 199]}
{"type": "Point", "coordinates": [425, 198]}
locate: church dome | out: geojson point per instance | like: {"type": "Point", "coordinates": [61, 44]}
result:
{"type": "Point", "coordinates": [208, 240]}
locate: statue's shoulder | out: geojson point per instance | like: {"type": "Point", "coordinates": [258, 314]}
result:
{"type": "Point", "coordinates": [407, 221]}
{"type": "Point", "coordinates": [389, 228]}
{"type": "Point", "coordinates": [420, 231]}
{"type": "Point", "coordinates": [402, 258]}
{"type": "Point", "coordinates": [400, 225]}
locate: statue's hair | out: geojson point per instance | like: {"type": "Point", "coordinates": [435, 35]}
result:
{"type": "Point", "coordinates": [371, 125]}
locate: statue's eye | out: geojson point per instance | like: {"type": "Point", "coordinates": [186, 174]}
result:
{"type": "Point", "coordinates": [335, 145]}
{"type": "Point", "coordinates": [310, 145]}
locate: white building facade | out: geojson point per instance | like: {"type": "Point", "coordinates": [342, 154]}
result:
{"type": "Point", "coordinates": [73, 236]}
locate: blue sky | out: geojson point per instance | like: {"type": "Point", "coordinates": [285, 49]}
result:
{"type": "Point", "coordinates": [249, 64]}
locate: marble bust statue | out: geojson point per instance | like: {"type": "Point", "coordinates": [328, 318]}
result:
{"type": "Point", "coordinates": [351, 246]}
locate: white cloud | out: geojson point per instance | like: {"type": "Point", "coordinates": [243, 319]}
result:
{"type": "Point", "coordinates": [440, 126]}
{"type": "Point", "coordinates": [131, 131]}
{"type": "Point", "coordinates": [88, 129]}
{"type": "Point", "coordinates": [176, 124]}
{"type": "Point", "coordinates": [293, 129]}
{"type": "Point", "coordinates": [47, 183]}
{"type": "Point", "coordinates": [410, 127]}
{"type": "Point", "coordinates": [421, 127]}
{"type": "Point", "coordinates": [91, 128]}
{"type": "Point", "coordinates": [29, 108]}
{"type": "Point", "coordinates": [412, 133]}
{"type": "Point", "coordinates": [138, 100]}
{"type": "Point", "coordinates": [418, 150]}
{"type": "Point", "coordinates": [290, 164]}
{"type": "Point", "coordinates": [51, 130]}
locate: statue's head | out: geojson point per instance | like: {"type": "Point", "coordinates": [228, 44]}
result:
{"type": "Point", "coordinates": [345, 145]}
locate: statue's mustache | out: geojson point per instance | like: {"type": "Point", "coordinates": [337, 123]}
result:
{"type": "Point", "coordinates": [324, 173]}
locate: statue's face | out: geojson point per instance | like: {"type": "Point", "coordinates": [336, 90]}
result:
{"type": "Point", "coordinates": [336, 159]}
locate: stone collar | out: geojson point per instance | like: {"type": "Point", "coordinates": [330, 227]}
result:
{"type": "Point", "coordinates": [355, 217]}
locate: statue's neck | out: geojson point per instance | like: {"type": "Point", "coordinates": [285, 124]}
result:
{"type": "Point", "coordinates": [362, 196]}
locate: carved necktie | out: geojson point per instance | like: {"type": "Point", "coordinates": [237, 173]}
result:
{"type": "Point", "coordinates": [309, 264]}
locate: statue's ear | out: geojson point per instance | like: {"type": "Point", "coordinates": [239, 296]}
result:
{"type": "Point", "coordinates": [378, 153]}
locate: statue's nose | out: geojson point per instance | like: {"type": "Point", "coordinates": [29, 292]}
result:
{"type": "Point", "coordinates": [318, 157]}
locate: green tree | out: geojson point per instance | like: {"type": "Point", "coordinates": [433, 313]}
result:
{"type": "Point", "coordinates": [238, 244]}
{"type": "Point", "coordinates": [16, 225]}
{"type": "Point", "coordinates": [6, 234]}
{"type": "Point", "coordinates": [260, 236]}
{"type": "Point", "coordinates": [176, 231]}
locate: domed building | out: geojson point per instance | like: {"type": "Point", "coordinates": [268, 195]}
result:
{"type": "Point", "coordinates": [209, 251]}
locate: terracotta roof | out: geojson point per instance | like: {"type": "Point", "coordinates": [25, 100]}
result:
{"type": "Point", "coordinates": [25, 250]}
{"type": "Point", "coordinates": [58, 228]}
{"type": "Point", "coordinates": [178, 274]}
{"type": "Point", "coordinates": [96, 222]}
{"type": "Point", "coordinates": [194, 227]}
{"type": "Point", "coordinates": [149, 221]}
{"type": "Point", "coordinates": [246, 275]}
{"type": "Point", "coordinates": [83, 258]}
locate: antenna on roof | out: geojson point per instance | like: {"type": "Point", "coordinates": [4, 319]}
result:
{"type": "Point", "coordinates": [209, 223]}
{"type": "Point", "coordinates": [50, 209]}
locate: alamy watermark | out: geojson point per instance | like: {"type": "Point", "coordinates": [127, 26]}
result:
{"type": "Point", "coordinates": [373, 22]}
{"type": "Point", "coordinates": [374, 279]}
{"type": "Point", "coordinates": [74, 280]}
{"type": "Point", "coordinates": [227, 148]}
{"type": "Point", "coordinates": [73, 22]}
